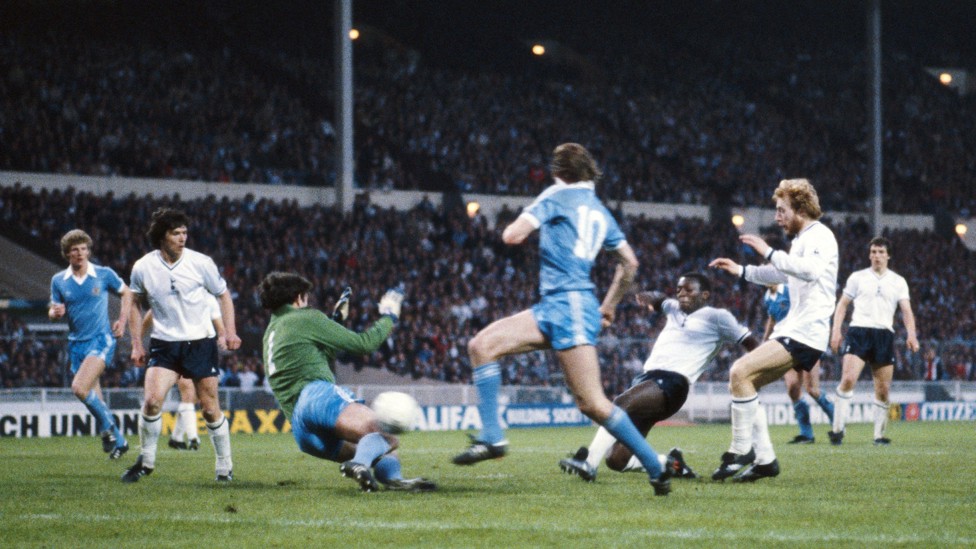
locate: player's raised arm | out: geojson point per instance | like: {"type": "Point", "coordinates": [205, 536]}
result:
{"type": "Point", "coordinates": [517, 231]}
{"type": "Point", "coordinates": [652, 299]}
{"type": "Point", "coordinates": [726, 265]}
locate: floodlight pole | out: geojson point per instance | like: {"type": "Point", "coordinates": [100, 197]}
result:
{"type": "Point", "coordinates": [874, 110]}
{"type": "Point", "coordinates": [343, 105]}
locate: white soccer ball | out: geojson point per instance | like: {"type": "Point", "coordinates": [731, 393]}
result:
{"type": "Point", "coordinates": [397, 412]}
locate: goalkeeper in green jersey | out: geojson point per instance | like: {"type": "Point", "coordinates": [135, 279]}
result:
{"type": "Point", "coordinates": [328, 422]}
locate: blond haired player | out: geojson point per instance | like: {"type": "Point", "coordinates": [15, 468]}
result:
{"type": "Point", "coordinates": [809, 269]}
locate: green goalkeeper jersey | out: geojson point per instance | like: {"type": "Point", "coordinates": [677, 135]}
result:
{"type": "Point", "coordinates": [300, 346]}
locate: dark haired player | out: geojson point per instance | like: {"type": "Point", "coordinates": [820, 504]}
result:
{"type": "Point", "coordinates": [692, 336]}
{"type": "Point", "coordinates": [875, 292]}
{"type": "Point", "coordinates": [327, 421]}
{"type": "Point", "coordinates": [175, 281]}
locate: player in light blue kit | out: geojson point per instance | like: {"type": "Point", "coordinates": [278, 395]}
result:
{"type": "Point", "coordinates": [573, 227]}
{"type": "Point", "coordinates": [80, 293]}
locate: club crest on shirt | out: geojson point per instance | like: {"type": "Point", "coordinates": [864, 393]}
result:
{"type": "Point", "coordinates": [96, 290]}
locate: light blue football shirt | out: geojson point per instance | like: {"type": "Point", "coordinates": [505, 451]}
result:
{"type": "Point", "coordinates": [86, 304]}
{"type": "Point", "coordinates": [573, 227]}
{"type": "Point", "coordinates": [777, 303]}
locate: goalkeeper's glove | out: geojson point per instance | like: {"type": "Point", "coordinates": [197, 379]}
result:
{"type": "Point", "coordinates": [341, 311]}
{"type": "Point", "coordinates": [391, 302]}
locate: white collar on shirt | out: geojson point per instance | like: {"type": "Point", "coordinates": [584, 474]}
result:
{"type": "Point", "coordinates": [583, 184]}
{"type": "Point", "coordinates": [91, 271]}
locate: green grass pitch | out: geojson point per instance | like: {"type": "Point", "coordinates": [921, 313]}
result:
{"type": "Point", "coordinates": [918, 492]}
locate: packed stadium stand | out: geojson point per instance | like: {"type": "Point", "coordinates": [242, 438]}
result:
{"type": "Point", "coordinates": [111, 91]}
{"type": "Point", "coordinates": [211, 92]}
{"type": "Point", "coordinates": [459, 275]}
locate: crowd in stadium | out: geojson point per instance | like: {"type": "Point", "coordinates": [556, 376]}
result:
{"type": "Point", "coordinates": [685, 127]}
{"type": "Point", "coordinates": [458, 275]}
{"type": "Point", "coordinates": [669, 120]}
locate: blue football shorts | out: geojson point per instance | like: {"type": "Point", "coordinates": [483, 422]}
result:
{"type": "Point", "coordinates": [315, 415]}
{"type": "Point", "coordinates": [103, 347]}
{"type": "Point", "coordinates": [568, 319]}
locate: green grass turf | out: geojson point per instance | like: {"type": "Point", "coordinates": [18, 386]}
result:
{"type": "Point", "coordinates": [919, 492]}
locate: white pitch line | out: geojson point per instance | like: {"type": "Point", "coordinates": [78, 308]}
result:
{"type": "Point", "coordinates": [618, 535]}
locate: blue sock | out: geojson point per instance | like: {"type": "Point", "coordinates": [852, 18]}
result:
{"type": "Point", "coordinates": [388, 469]}
{"type": "Point", "coordinates": [826, 405]}
{"type": "Point", "coordinates": [622, 428]}
{"type": "Point", "coordinates": [100, 412]}
{"type": "Point", "coordinates": [488, 379]}
{"type": "Point", "coordinates": [802, 412]}
{"type": "Point", "coordinates": [370, 448]}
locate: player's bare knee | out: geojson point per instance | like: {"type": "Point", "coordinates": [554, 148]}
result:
{"type": "Point", "coordinates": [738, 378]}
{"type": "Point", "coordinates": [479, 349]}
{"type": "Point", "coordinates": [846, 384]}
{"type": "Point", "coordinates": [211, 414]}
{"type": "Point", "coordinates": [152, 407]}
{"type": "Point", "coordinates": [591, 408]}
{"type": "Point", "coordinates": [79, 391]}
{"type": "Point", "coordinates": [629, 401]}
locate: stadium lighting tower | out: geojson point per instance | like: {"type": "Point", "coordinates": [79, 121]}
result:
{"type": "Point", "coordinates": [873, 17]}
{"type": "Point", "coordinates": [343, 105]}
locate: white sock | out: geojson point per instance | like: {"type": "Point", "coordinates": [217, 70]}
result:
{"type": "Point", "coordinates": [149, 430]}
{"type": "Point", "coordinates": [760, 438]}
{"type": "Point", "coordinates": [599, 447]}
{"type": "Point", "coordinates": [743, 417]}
{"type": "Point", "coordinates": [634, 465]}
{"type": "Point", "coordinates": [842, 408]}
{"type": "Point", "coordinates": [187, 421]}
{"type": "Point", "coordinates": [220, 438]}
{"type": "Point", "coordinates": [178, 432]}
{"type": "Point", "coordinates": [880, 418]}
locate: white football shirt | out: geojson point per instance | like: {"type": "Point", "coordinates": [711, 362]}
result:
{"type": "Point", "coordinates": [810, 272]}
{"type": "Point", "coordinates": [689, 342]}
{"type": "Point", "coordinates": [178, 293]}
{"type": "Point", "coordinates": [875, 298]}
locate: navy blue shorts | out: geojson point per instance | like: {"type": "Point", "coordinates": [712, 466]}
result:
{"type": "Point", "coordinates": [804, 356]}
{"type": "Point", "coordinates": [875, 346]}
{"type": "Point", "coordinates": [673, 385]}
{"type": "Point", "coordinates": [191, 359]}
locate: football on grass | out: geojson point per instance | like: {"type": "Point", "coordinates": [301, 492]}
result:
{"type": "Point", "coordinates": [397, 412]}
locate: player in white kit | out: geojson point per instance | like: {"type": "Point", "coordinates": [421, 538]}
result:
{"type": "Point", "coordinates": [692, 336]}
{"type": "Point", "coordinates": [798, 341]}
{"type": "Point", "coordinates": [875, 292]}
{"type": "Point", "coordinates": [175, 280]}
